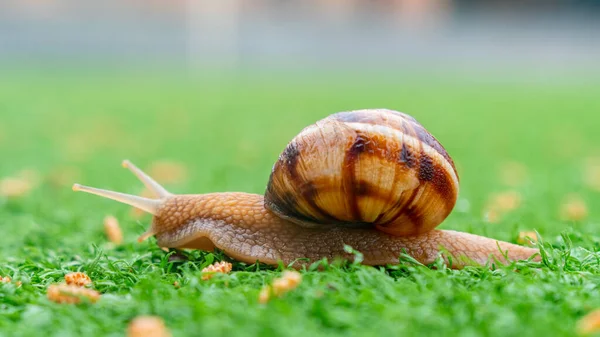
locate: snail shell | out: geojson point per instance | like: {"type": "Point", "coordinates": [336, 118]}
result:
{"type": "Point", "coordinates": [365, 167]}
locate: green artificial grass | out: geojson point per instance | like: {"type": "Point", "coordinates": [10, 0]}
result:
{"type": "Point", "coordinates": [228, 130]}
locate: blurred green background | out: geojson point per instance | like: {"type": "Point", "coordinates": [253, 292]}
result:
{"type": "Point", "coordinates": [214, 91]}
{"type": "Point", "coordinates": [228, 130]}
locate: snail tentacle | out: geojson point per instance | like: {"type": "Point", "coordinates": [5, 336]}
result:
{"type": "Point", "coordinates": [148, 205]}
{"type": "Point", "coordinates": [150, 183]}
{"type": "Point", "coordinates": [151, 206]}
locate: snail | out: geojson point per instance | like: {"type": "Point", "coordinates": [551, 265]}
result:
{"type": "Point", "coordinates": [374, 180]}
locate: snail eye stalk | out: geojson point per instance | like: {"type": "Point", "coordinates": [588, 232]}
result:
{"type": "Point", "coordinates": [145, 204]}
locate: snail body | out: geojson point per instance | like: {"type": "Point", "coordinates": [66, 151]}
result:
{"type": "Point", "coordinates": [372, 179]}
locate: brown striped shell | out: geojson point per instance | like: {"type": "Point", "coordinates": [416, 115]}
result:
{"type": "Point", "coordinates": [376, 166]}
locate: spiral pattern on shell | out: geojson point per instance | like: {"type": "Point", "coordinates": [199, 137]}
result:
{"type": "Point", "coordinates": [375, 166]}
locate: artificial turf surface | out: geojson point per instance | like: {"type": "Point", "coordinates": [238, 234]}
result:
{"type": "Point", "coordinates": [228, 131]}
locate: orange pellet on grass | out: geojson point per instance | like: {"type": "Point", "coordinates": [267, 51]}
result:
{"type": "Point", "coordinates": [589, 323]}
{"type": "Point", "coordinates": [288, 281]}
{"type": "Point", "coordinates": [507, 201]}
{"type": "Point", "coordinates": [7, 279]}
{"type": "Point", "coordinates": [217, 267]}
{"type": "Point", "coordinates": [113, 230]}
{"type": "Point", "coordinates": [264, 295]}
{"type": "Point", "coordinates": [78, 278]}
{"type": "Point", "coordinates": [12, 187]}
{"type": "Point", "coordinates": [492, 216]}
{"type": "Point", "coordinates": [527, 237]}
{"type": "Point", "coordinates": [573, 208]}
{"type": "Point", "coordinates": [20, 184]}
{"type": "Point", "coordinates": [71, 294]}
{"type": "Point", "coordinates": [147, 326]}
{"type": "Point", "coordinates": [500, 204]}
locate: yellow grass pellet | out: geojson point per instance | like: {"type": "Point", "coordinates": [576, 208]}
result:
{"type": "Point", "coordinates": [589, 323]}
{"type": "Point", "coordinates": [573, 208]}
{"type": "Point", "coordinates": [78, 279]}
{"type": "Point", "coordinates": [7, 279]}
{"type": "Point", "coordinates": [288, 281]}
{"type": "Point", "coordinates": [492, 216]}
{"type": "Point", "coordinates": [264, 295]}
{"type": "Point", "coordinates": [113, 230]}
{"type": "Point", "coordinates": [147, 326]}
{"type": "Point", "coordinates": [527, 237]}
{"type": "Point", "coordinates": [20, 184]}
{"type": "Point", "coordinates": [507, 201]}
{"type": "Point", "coordinates": [217, 267]}
{"type": "Point", "coordinates": [12, 187]}
{"type": "Point", "coordinates": [71, 294]}
{"type": "Point", "coordinates": [500, 204]}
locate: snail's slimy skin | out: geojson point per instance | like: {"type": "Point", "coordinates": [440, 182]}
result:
{"type": "Point", "coordinates": [240, 225]}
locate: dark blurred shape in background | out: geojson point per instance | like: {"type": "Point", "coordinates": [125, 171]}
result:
{"type": "Point", "coordinates": [540, 37]}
